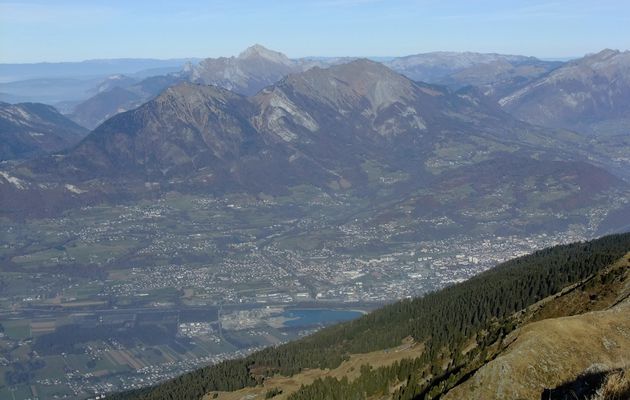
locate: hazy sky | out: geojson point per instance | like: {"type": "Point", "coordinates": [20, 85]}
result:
{"type": "Point", "coordinates": [71, 30]}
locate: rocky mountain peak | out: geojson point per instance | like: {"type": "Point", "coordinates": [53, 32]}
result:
{"type": "Point", "coordinates": [249, 72]}
{"type": "Point", "coordinates": [259, 51]}
{"type": "Point", "coordinates": [345, 84]}
{"type": "Point", "coordinates": [603, 60]}
{"type": "Point", "coordinates": [604, 54]}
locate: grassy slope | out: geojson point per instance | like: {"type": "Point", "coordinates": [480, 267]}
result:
{"type": "Point", "coordinates": [552, 351]}
{"type": "Point", "coordinates": [350, 369]}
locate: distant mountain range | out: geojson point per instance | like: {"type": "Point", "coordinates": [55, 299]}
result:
{"type": "Point", "coordinates": [453, 151]}
{"type": "Point", "coordinates": [495, 73]}
{"type": "Point", "coordinates": [68, 84]}
{"type": "Point", "coordinates": [246, 74]}
{"type": "Point", "coordinates": [88, 68]}
{"type": "Point", "coordinates": [322, 127]}
{"type": "Point", "coordinates": [64, 85]}
{"type": "Point", "coordinates": [524, 86]}
{"type": "Point", "coordinates": [518, 82]}
{"type": "Point", "coordinates": [322, 120]}
{"type": "Point", "coordinates": [32, 129]}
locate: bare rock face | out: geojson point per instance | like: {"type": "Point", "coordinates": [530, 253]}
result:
{"type": "Point", "coordinates": [250, 71]}
{"type": "Point", "coordinates": [362, 92]}
{"type": "Point", "coordinates": [31, 129]}
{"type": "Point", "coordinates": [258, 52]}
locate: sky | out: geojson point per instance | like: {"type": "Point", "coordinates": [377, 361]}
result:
{"type": "Point", "coordinates": [74, 30]}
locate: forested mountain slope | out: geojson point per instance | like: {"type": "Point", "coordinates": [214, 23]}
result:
{"type": "Point", "coordinates": [461, 328]}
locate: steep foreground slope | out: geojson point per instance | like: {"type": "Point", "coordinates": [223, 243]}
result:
{"type": "Point", "coordinates": [432, 346]}
{"type": "Point", "coordinates": [551, 352]}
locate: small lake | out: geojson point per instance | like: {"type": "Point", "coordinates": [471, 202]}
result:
{"type": "Point", "coordinates": [311, 317]}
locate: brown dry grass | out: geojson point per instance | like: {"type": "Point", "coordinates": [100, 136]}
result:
{"type": "Point", "coordinates": [616, 387]}
{"type": "Point", "coordinates": [590, 295]}
{"type": "Point", "coordinates": [349, 369]}
{"type": "Point", "coordinates": [556, 348]}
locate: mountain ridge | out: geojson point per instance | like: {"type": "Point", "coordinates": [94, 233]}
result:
{"type": "Point", "coordinates": [317, 127]}
{"type": "Point", "coordinates": [258, 67]}
{"type": "Point", "coordinates": [581, 86]}
{"type": "Point", "coordinates": [32, 129]}
{"type": "Point", "coordinates": [587, 96]}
